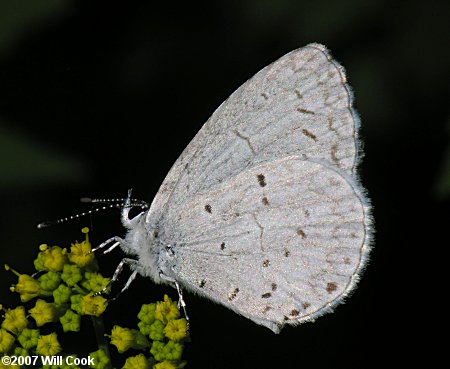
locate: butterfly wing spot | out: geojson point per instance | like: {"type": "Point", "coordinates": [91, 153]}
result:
{"type": "Point", "coordinates": [307, 213]}
{"type": "Point", "coordinates": [331, 287]}
{"type": "Point", "coordinates": [274, 286]}
{"type": "Point", "coordinates": [266, 295]}
{"type": "Point", "coordinates": [265, 201]}
{"type": "Point", "coordinates": [295, 312]}
{"type": "Point", "coordinates": [287, 253]}
{"type": "Point", "coordinates": [299, 95]}
{"type": "Point", "coordinates": [346, 260]}
{"type": "Point", "coordinates": [261, 180]}
{"type": "Point", "coordinates": [266, 263]}
{"type": "Point", "coordinates": [301, 233]}
{"type": "Point", "coordinates": [202, 283]}
{"type": "Point", "coordinates": [330, 124]}
{"type": "Point", "coordinates": [306, 305]}
{"type": "Point", "coordinates": [333, 152]}
{"type": "Point", "coordinates": [208, 208]}
{"type": "Point", "coordinates": [305, 111]}
{"type": "Point", "coordinates": [233, 294]}
{"type": "Point", "coordinates": [265, 96]}
{"type": "Point", "coordinates": [222, 246]}
{"type": "Point", "coordinates": [309, 134]}
{"type": "Point", "coordinates": [333, 182]}
{"type": "Point", "coordinates": [266, 309]}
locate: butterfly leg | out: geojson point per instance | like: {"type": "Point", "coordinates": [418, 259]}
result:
{"type": "Point", "coordinates": [117, 242]}
{"type": "Point", "coordinates": [181, 301]}
{"type": "Point", "coordinates": [130, 262]}
{"type": "Point", "coordinates": [130, 280]}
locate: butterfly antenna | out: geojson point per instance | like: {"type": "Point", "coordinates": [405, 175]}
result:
{"type": "Point", "coordinates": [76, 216]}
{"type": "Point", "coordinates": [111, 203]}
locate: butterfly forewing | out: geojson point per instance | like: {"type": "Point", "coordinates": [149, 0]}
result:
{"type": "Point", "coordinates": [299, 105]}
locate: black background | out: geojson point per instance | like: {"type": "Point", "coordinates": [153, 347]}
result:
{"type": "Point", "coordinates": [98, 97]}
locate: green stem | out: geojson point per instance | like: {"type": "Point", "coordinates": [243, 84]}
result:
{"type": "Point", "coordinates": [80, 290]}
{"type": "Point", "coordinates": [8, 268]}
{"type": "Point", "coordinates": [99, 328]}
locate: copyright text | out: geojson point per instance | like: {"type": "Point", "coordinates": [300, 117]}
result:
{"type": "Point", "coordinates": [47, 360]}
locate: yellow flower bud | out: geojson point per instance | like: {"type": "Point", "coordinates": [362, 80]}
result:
{"type": "Point", "coordinates": [80, 252]}
{"type": "Point", "coordinates": [6, 341]}
{"type": "Point", "coordinates": [165, 365]}
{"type": "Point", "coordinates": [166, 310]}
{"type": "Point", "coordinates": [176, 330]}
{"type": "Point", "coordinates": [53, 258]}
{"type": "Point", "coordinates": [15, 320]}
{"type": "Point", "coordinates": [137, 362]}
{"type": "Point", "coordinates": [43, 312]}
{"type": "Point", "coordinates": [122, 338]}
{"type": "Point", "coordinates": [27, 287]}
{"type": "Point", "coordinates": [48, 345]}
{"type": "Point", "coordinates": [93, 305]}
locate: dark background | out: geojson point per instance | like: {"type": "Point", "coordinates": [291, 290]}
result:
{"type": "Point", "coordinates": [96, 98]}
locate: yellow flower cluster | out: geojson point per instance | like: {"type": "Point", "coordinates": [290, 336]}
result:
{"type": "Point", "coordinates": [62, 298]}
{"type": "Point", "coordinates": [65, 289]}
{"type": "Point", "coordinates": [161, 323]}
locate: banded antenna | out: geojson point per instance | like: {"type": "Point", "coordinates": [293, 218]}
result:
{"type": "Point", "coordinates": [110, 203]}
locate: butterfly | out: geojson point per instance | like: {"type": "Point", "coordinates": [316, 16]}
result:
{"type": "Point", "coordinates": [263, 212]}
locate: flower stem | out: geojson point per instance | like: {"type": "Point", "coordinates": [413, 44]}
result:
{"type": "Point", "coordinates": [100, 336]}
{"type": "Point", "coordinates": [8, 268]}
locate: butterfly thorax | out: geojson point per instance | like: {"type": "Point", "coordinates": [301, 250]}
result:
{"type": "Point", "coordinates": [140, 241]}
